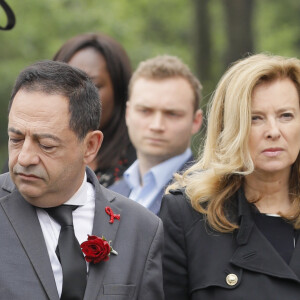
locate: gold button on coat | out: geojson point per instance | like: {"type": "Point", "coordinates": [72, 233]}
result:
{"type": "Point", "coordinates": [231, 279]}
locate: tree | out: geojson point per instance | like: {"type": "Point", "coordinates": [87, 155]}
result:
{"type": "Point", "coordinates": [239, 31]}
{"type": "Point", "coordinates": [202, 39]}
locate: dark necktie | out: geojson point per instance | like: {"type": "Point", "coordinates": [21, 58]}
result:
{"type": "Point", "coordinates": [70, 255]}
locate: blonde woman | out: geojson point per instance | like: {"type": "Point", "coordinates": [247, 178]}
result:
{"type": "Point", "coordinates": [232, 220]}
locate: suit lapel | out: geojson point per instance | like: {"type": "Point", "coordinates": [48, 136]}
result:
{"type": "Point", "coordinates": [190, 161]}
{"type": "Point", "coordinates": [101, 227]}
{"type": "Point", "coordinates": [124, 188]}
{"type": "Point", "coordinates": [24, 220]}
{"type": "Point", "coordinates": [155, 206]}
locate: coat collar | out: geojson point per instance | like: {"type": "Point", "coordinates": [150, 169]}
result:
{"type": "Point", "coordinates": [254, 251]}
{"type": "Point", "coordinates": [244, 217]}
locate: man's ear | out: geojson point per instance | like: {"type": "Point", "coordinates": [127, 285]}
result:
{"type": "Point", "coordinates": [92, 141]}
{"type": "Point", "coordinates": [197, 121]}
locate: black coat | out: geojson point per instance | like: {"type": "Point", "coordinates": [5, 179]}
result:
{"type": "Point", "coordinates": [197, 259]}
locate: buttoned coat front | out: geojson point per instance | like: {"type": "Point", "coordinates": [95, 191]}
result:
{"type": "Point", "coordinates": [199, 262]}
{"type": "Point", "coordinates": [135, 273]}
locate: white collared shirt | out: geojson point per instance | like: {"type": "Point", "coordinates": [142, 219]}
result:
{"type": "Point", "coordinates": [83, 218]}
{"type": "Point", "coordinates": [154, 180]}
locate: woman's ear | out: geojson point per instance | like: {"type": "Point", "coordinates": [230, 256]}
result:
{"type": "Point", "coordinates": [92, 141]}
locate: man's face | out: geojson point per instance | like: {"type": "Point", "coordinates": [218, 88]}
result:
{"type": "Point", "coordinates": [46, 159]}
{"type": "Point", "coordinates": [161, 119]}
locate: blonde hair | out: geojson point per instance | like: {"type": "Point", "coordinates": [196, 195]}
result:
{"type": "Point", "coordinates": [164, 67]}
{"type": "Point", "coordinates": [225, 160]}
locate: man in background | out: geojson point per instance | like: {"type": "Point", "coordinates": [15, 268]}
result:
{"type": "Point", "coordinates": [162, 115]}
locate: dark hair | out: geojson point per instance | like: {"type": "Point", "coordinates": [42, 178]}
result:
{"type": "Point", "coordinates": [52, 77]}
{"type": "Point", "coordinates": [116, 139]}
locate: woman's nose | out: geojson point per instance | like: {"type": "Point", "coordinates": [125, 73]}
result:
{"type": "Point", "coordinates": [272, 130]}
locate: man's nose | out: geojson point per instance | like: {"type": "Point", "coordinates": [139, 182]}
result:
{"type": "Point", "coordinates": [157, 122]}
{"type": "Point", "coordinates": [28, 154]}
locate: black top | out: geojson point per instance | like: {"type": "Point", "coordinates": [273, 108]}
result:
{"type": "Point", "coordinates": [279, 232]}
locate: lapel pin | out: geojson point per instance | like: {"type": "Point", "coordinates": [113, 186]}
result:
{"type": "Point", "coordinates": [113, 216]}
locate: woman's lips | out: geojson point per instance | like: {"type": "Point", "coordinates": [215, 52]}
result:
{"type": "Point", "coordinates": [272, 152]}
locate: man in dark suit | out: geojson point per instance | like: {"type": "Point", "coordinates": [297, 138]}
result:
{"type": "Point", "coordinates": [162, 115]}
{"type": "Point", "coordinates": [50, 201]}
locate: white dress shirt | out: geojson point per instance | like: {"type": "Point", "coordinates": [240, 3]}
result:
{"type": "Point", "coordinates": [83, 218]}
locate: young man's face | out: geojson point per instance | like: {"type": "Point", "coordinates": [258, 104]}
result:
{"type": "Point", "coordinates": [161, 119]}
{"type": "Point", "coordinates": [46, 159]}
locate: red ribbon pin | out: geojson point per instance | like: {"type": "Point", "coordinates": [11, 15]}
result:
{"type": "Point", "coordinates": [113, 216]}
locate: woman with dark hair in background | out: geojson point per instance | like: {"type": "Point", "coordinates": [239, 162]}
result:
{"type": "Point", "coordinates": [108, 65]}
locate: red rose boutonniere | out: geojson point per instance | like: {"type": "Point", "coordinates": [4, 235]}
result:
{"type": "Point", "coordinates": [97, 249]}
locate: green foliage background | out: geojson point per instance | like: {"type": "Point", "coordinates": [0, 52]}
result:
{"type": "Point", "coordinates": [145, 29]}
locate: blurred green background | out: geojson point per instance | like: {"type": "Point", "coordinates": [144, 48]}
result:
{"type": "Point", "coordinates": [206, 34]}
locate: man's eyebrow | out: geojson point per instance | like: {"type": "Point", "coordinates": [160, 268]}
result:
{"type": "Point", "coordinates": [142, 105]}
{"type": "Point", "coordinates": [47, 136]}
{"type": "Point", "coordinates": [176, 110]}
{"type": "Point", "coordinates": [13, 130]}
{"type": "Point", "coordinates": [36, 135]}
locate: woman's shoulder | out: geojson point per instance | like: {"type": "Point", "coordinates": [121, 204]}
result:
{"type": "Point", "coordinates": [177, 197]}
{"type": "Point", "coordinates": [177, 206]}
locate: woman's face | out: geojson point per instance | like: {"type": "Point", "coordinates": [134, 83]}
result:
{"type": "Point", "coordinates": [93, 63]}
{"type": "Point", "coordinates": [274, 141]}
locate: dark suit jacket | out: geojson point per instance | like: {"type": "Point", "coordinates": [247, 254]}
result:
{"type": "Point", "coordinates": [197, 259]}
{"type": "Point", "coordinates": [26, 273]}
{"type": "Point", "coordinates": [121, 187]}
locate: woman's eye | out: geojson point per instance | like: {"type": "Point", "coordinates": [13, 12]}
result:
{"type": "Point", "coordinates": [255, 118]}
{"type": "Point", "coordinates": [287, 116]}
